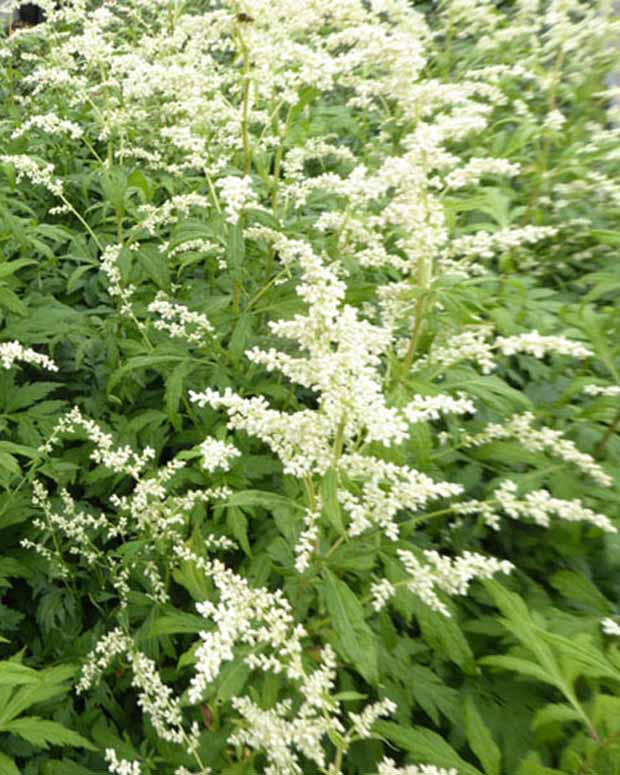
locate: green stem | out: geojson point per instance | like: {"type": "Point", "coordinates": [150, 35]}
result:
{"type": "Point", "coordinates": [247, 151]}
{"type": "Point", "coordinates": [598, 450]}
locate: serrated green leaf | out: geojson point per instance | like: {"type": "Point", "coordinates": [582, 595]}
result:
{"type": "Point", "coordinates": [331, 507]}
{"type": "Point", "coordinates": [267, 500]}
{"type": "Point", "coordinates": [175, 622]}
{"type": "Point", "coordinates": [356, 641]}
{"type": "Point", "coordinates": [426, 746]}
{"type": "Point", "coordinates": [175, 382]}
{"type": "Point", "coordinates": [8, 766]}
{"type": "Point", "coordinates": [480, 739]}
{"type": "Point", "coordinates": [555, 713]}
{"type": "Point", "coordinates": [43, 733]}
{"type": "Point", "coordinates": [238, 525]}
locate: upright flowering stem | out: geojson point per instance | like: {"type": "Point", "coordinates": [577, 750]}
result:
{"type": "Point", "coordinates": [424, 278]}
{"type": "Point", "coordinates": [245, 109]}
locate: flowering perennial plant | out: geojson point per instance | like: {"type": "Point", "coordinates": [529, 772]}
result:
{"type": "Point", "coordinates": [328, 448]}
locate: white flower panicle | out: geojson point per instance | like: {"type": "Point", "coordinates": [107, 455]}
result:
{"type": "Point", "coordinates": [116, 288]}
{"type": "Point", "coordinates": [118, 766]}
{"type": "Point", "coordinates": [475, 169]}
{"type": "Point", "coordinates": [449, 575]}
{"type": "Point", "coordinates": [537, 345]}
{"type": "Point", "coordinates": [217, 454]}
{"type": "Point", "coordinates": [520, 427]}
{"type": "Point", "coordinates": [238, 195]}
{"type": "Point", "coordinates": [122, 460]}
{"type": "Point", "coordinates": [381, 592]}
{"type": "Point", "coordinates": [108, 648]}
{"type": "Point", "coordinates": [281, 738]}
{"type": "Point", "coordinates": [245, 615]}
{"type": "Point", "coordinates": [171, 209]}
{"type": "Point", "coordinates": [51, 124]}
{"type": "Point", "coordinates": [388, 767]}
{"type": "Point", "coordinates": [39, 173]}
{"type": "Point", "coordinates": [155, 699]}
{"type": "Point", "coordinates": [385, 489]}
{"type": "Point", "coordinates": [308, 539]}
{"type": "Point", "coordinates": [423, 408]}
{"type": "Point", "coordinates": [179, 321]}
{"type": "Point", "coordinates": [610, 627]}
{"type": "Point", "coordinates": [602, 390]}
{"type": "Point", "coordinates": [12, 352]}
{"type": "Point", "coordinates": [540, 505]}
{"type": "Point", "coordinates": [363, 722]}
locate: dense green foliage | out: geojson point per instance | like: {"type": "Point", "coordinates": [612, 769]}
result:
{"type": "Point", "coordinates": [520, 678]}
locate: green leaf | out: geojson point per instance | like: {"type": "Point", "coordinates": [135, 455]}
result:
{"type": "Point", "coordinates": [8, 766]}
{"type": "Point", "coordinates": [576, 586]}
{"type": "Point", "coordinates": [141, 362]}
{"type": "Point", "coordinates": [240, 335]}
{"type": "Point", "coordinates": [522, 666]}
{"type": "Point", "coordinates": [480, 739]}
{"type": "Point", "coordinates": [176, 622]}
{"type": "Point", "coordinates": [10, 301]}
{"type": "Point", "coordinates": [235, 248]}
{"type": "Point", "coordinates": [331, 507]}
{"type": "Point", "coordinates": [531, 765]}
{"type": "Point", "coordinates": [10, 267]}
{"type": "Point", "coordinates": [555, 713]}
{"type": "Point", "coordinates": [425, 746]}
{"type": "Point", "coordinates": [267, 500]}
{"type": "Point", "coordinates": [14, 674]}
{"type": "Point", "coordinates": [445, 636]}
{"type": "Point", "coordinates": [356, 641]}
{"type": "Point", "coordinates": [43, 733]}
{"type": "Point", "coordinates": [174, 391]}
{"type": "Point", "coordinates": [231, 680]}
{"type": "Point", "coordinates": [238, 525]}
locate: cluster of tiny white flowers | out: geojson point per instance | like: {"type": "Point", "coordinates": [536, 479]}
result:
{"type": "Point", "coordinates": [76, 525]}
{"type": "Point", "coordinates": [179, 321]}
{"type": "Point", "coordinates": [538, 345]}
{"type": "Point", "coordinates": [539, 505]}
{"type": "Point", "coordinates": [381, 592]}
{"type": "Point", "coordinates": [238, 195]}
{"type": "Point", "coordinates": [39, 173]}
{"type": "Point", "coordinates": [364, 721]}
{"type": "Point", "coordinates": [120, 459]}
{"type": "Point", "coordinates": [450, 575]}
{"type": "Point", "coordinates": [217, 454]}
{"type": "Point", "coordinates": [475, 169]}
{"type": "Point", "coordinates": [388, 767]}
{"type": "Point", "coordinates": [423, 408]}
{"type": "Point", "coordinates": [520, 427]}
{"type": "Point", "coordinates": [155, 698]}
{"type": "Point", "coordinates": [169, 211]}
{"type": "Point", "coordinates": [118, 766]}
{"type": "Point", "coordinates": [484, 244]}
{"type": "Point", "coordinates": [51, 124]}
{"type": "Point", "coordinates": [385, 489]}
{"type": "Point", "coordinates": [279, 737]}
{"type": "Point", "coordinates": [602, 390]}
{"type": "Point", "coordinates": [10, 352]}
{"type": "Point", "coordinates": [471, 344]}
{"type": "Point", "coordinates": [110, 268]}
{"type": "Point", "coordinates": [301, 439]}
{"type": "Point", "coordinates": [198, 245]}
{"type": "Point", "coordinates": [110, 646]}
{"type": "Point", "coordinates": [245, 615]}
{"type": "Point", "coordinates": [554, 120]}
{"type": "Point", "coordinates": [610, 627]}
{"type": "Point", "coordinates": [307, 541]}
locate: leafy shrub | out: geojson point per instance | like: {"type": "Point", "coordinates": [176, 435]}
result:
{"type": "Point", "coordinates": [310, 389]}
